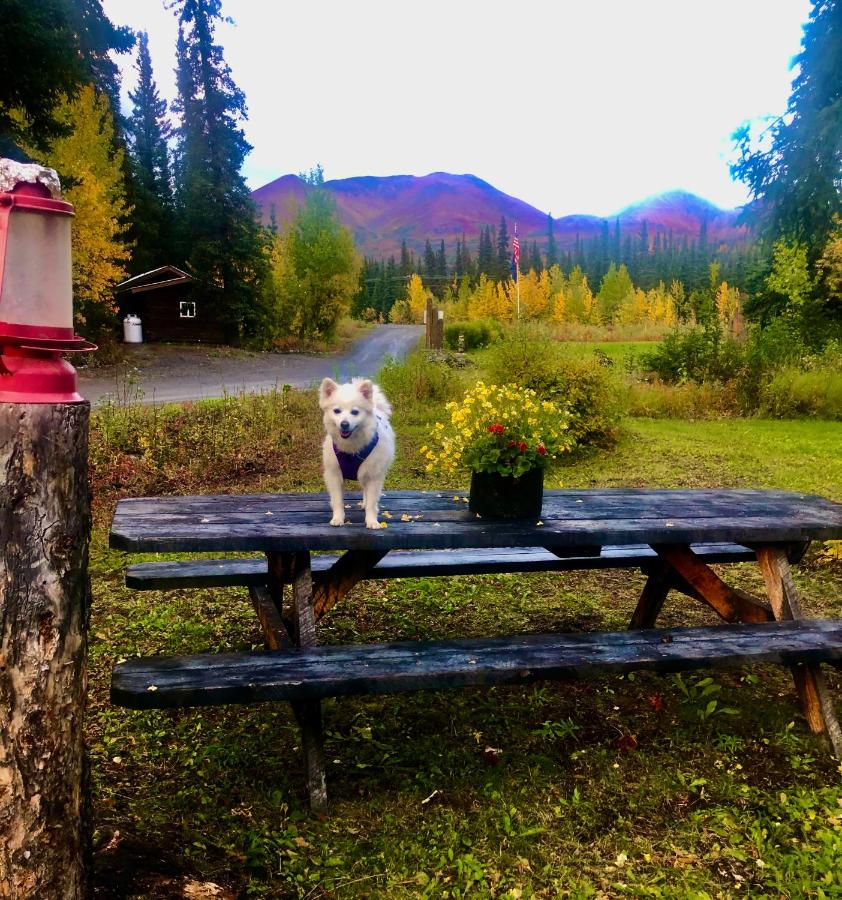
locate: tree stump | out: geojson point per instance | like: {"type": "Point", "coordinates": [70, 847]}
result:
{"type": "Point", "coordinates": [44, 608]}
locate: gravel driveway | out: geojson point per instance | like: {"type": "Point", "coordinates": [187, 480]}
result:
{"type": "Point", "coordinates": [171, 374]}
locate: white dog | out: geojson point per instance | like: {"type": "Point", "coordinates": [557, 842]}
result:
{"type": "Point", "coordinates": [359, 444]}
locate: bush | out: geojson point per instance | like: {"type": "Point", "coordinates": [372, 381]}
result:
{"type": "Point", "coordinates": [699, 354]}
{"type": "Point", "coordinates": [475, 335]}
{"type": "Point", "coordinates": [419, 379]}
{"type": "Point", "coordinates": [529, 357]}
{"type": "Point", "coordinates": [812, 389]}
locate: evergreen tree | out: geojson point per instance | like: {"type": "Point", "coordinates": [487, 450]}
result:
{"type": "Point", "coordinates": [457, 267]}
{"type": "Point", "coordinates": [221, 240]}
{"type": "Point", "coordinates": [149, 131]}
{"type": "Point", "coordinates": [615, 250]}
{"type": "Point", "coordinates": [485, 260]}
{"type": "Point", "coordinates": [797, 172]}
{"type": "Point", "coordinates": [48, 49]}
{"type": "Point", "coordinates": [552, 249]}
{"type": "Point", "coordinates": [534, 262]}
{"type": "Point", "coordinates": [504, 263]}
{"type": "Point", "coordinates": [406, 261]}
{"type": "Point", "coordinates": [441, 263]}
{"type": "Point", "coordinates": [429, 262]}
{"type": "Point", "coordinates": [467, 259]}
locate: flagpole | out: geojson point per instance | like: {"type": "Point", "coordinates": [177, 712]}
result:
{"type": "Point", "coordinates": [516, 258]}
{"type": "Point", "coordinates": [517, 285]}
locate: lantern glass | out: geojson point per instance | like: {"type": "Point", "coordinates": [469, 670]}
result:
{"type": "Point", "coordinates": [36, 283]}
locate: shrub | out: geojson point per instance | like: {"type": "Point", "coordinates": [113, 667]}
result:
{"type": "Point", "coordinates": [420, 378]}
{"type": "Point", "coordinates": [475, 335]}
{"type": "Point", "coordinates": [699, 354]}
{"type": "Point", "coordinates": [792, 393]}
{"type": "Point", "coordinates": [529, 357]}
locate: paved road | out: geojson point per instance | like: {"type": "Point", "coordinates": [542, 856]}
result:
{"type": "Point", "coordinates": [173, 374]}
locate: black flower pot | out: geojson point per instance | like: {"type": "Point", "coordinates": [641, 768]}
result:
{"type": "Point", "coordinates": [507, 497]}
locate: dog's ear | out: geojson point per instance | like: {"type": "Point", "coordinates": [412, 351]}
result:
{"type": "Point", "coordinates": [366, 389]}
{"type": "Point", "coordinates": [327, 390]}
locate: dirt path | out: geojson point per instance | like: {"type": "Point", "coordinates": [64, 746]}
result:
{"type": "Point", "coordinates": [170, 374]}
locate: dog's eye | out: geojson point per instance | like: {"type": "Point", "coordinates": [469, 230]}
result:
{"type": "Point", "coordinates": [337, 411]}
{"type": "Point", "coordinates": [355, 412]}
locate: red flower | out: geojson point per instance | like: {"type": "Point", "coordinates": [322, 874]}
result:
{"type": "Point", "coordinates": [497, 428]}
{"type": "Point", "coordinates": [522, 446]}
{"type": "Point", "coordinates": [512, 444]}
{"type": "Point", "coordinates": [541, 450]}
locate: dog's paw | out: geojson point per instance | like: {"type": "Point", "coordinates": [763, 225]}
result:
{"type": "Point", "coordinates": [372, 523]}
{"type": "Point", "coordinates": [337, 520]}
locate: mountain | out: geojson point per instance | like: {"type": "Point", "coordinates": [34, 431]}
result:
{"type": "Point", "coordinates": [381, 212]}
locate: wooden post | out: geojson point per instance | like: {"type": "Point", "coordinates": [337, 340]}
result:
{"type": "Point", "coordinates": [44, 606]}
{"type": "Point", "coordinates": [429, 322]}
{"type": "Point", "coordinates": [809, 680]}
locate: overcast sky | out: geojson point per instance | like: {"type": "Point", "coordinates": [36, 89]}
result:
{"type": "Point", "coordinates": [575, 107]}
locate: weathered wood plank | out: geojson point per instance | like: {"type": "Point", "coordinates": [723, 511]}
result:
{"type": "Point", "coordinates": [388, 668]}
{"type": "Point", "coordinates": [275, 633]}
{"type": "Point", "coordinates": [205, 573]}
{"type": "Point", "coordinates": [652, 598]}
{"type": "Point", "coordinates": [308, 712]}
{"type": "Point", "coordinates": [570, 519]}
{"type": "Point", "coordinates": [809, 679]}
{"type": "Point", "coordinates": [348, 571]}
{"type": "Point", "coordinates": [732, 604]}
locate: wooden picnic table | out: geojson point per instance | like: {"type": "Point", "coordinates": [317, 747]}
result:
{"type": "Point", "coordinates": [776, 525]}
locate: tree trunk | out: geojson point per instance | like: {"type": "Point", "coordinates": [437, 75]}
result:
{"type": "Point", "coordinates": [44, 606]}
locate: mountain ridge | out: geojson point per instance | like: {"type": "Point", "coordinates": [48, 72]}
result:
{"type": "Point", "coordinates": [383, 211]}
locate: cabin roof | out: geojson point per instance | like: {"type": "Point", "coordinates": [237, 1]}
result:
{"type": "Point", "coordinates": [163, 276]}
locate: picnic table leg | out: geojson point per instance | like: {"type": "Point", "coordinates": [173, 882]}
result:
{"type": "Point", "coordinates": [809, 679]}
{"type": "Point", "coordinates": [651, 602]}
{"type": "Point", "coordinates": [294, 568]}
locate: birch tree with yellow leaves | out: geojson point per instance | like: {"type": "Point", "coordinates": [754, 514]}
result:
{"type": "Point", "coordinates": [90, 168]}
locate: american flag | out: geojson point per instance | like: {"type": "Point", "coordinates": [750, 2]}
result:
{"type": "Point", "coordinates": [515, 255]}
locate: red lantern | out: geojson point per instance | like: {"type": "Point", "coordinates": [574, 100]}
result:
{"type": "Point", "coordinates": [36, 296]}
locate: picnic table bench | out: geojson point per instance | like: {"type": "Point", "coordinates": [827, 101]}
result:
{"type": "Point", "coordinates": [673, 536]}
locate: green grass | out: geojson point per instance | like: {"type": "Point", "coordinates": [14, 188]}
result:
{"type": "Point", "coordinates": [619, 351]}
{"type": "Point", "coordinates": [625, 786]}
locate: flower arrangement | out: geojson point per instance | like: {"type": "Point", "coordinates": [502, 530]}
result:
{"type": "Point", "coordinates": [499, 429]}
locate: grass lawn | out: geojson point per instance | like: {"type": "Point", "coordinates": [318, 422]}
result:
{"type": "Point", "coordinates": [624, 786]}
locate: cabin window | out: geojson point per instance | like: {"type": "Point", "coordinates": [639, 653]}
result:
{"type": "Point", "coordinates": [187, 309]}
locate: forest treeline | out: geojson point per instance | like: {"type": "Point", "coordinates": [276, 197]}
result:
{"type": "Point", "coordinates": [163, 184]}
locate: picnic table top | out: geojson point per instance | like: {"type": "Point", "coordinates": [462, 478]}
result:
{"type": "Point", "coordinates": [441, 519]}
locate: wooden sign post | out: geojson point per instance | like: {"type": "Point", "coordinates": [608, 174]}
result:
{"type": "Point", "coordinates": [434, 322]}
{"type": "Point", "coordinates": [44, 534]}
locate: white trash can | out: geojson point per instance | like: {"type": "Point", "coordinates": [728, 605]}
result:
{"type": "Point", "coordinates": [132, 332]}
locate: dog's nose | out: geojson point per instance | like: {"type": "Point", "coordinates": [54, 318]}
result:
{"type": "Point", "coordinates": [344, 425]}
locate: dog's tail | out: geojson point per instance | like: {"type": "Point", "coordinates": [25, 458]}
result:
{"type": "Point", "coordinates": [381, 403]}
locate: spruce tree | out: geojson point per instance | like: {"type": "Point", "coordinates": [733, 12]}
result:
{"type": "Point", "coordinates": [149, 131]}
{"type": "Point", "coordinates": [429, 262]}
{"type": "Point", "coordinates": [441, 263]}
{"type": "Point", "coordinates": [796, 171]}
{"type": "Point", "coordinates": [220, 237]}
{"type": "Point", "coordinates": [552, 248]}
{"type": "Point", "coordinates": [504, 263]}
{"type": "Point", "coordinates": [406, 261]}
{"type": "Point", "coordinates": [467, 259]}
